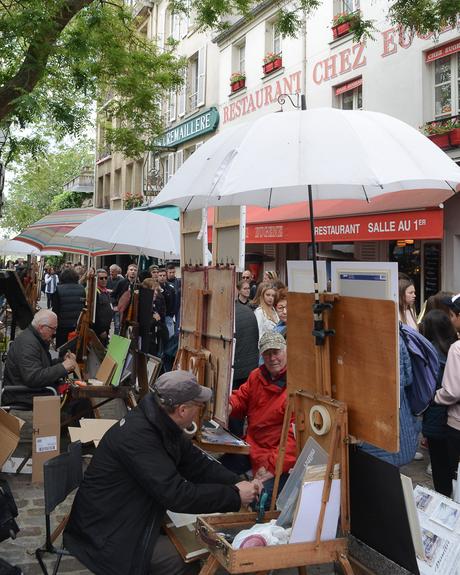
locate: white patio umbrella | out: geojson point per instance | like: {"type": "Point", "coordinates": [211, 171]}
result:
{"type": "Point", "coordinates": [16, 247]}
{"type": "Point", "coordinates": [318, 154]}
{"type": "Point", "coordinates": [131, 232]}
{"type": "Point", "coordinates": [341, 154]}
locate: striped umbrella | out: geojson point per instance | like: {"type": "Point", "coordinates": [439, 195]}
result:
{"type": "Point", "coordinates": [49, 233]}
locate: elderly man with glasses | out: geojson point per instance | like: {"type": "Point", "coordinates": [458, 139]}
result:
{"type": "Point", "coordinates": [29, 362]}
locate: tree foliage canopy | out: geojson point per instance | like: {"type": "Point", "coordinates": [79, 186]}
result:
{"type": "Point", "coordinates": [38, 185]}
{"type": "Point", "coordinates": [59, 56]}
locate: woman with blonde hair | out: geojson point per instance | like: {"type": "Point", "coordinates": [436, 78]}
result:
{"type": "Point", "coordinates": [265, 313]}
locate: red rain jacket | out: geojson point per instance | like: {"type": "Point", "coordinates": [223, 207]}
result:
{"type": "Point", "coordinates": [264, 404]}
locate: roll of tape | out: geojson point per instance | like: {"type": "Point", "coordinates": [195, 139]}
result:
{"type": "Point", "coordinates": [320, 412]}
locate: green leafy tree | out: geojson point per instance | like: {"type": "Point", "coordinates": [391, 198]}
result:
{"type": "Point", "coordinates": [37, 187]}
{"type": "Point", "coordinates": [59, 56]}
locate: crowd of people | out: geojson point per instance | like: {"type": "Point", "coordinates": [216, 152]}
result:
{"type": "Point", "coordinates": [179, 477]}
{"type": "Point", "coordinates": [439, 323]}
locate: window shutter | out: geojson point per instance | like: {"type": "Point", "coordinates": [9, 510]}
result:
{"type": "Point", "coordinates": [172, 106]}
{"type": "Point", "coordinates": [181, 103]}
{"type": "Point", "coordinates": [170, 166]}
{"type": "Point", "coordinates": [201, 76]}
{"type": "Point", "coordinates": [179, 159]}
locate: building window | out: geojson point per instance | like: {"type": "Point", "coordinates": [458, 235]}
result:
{"type": "Point", "coordinates": [181, 96]}
{"type": "Point", "coordinates": [239, 57]}
{"type": "Point", "coordinates": [169, 167]}
{"type": "Point", "coordinates": [447, 86]}
{"type": "Point", "coordinates": [346, 6]}
{"type": "Point", "coordinates": [351, 100]}
{"type": "Point", "coordinates": [273, 41]}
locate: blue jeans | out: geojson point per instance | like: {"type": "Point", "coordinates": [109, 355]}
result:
{"type": "Point", "coordinates": [169, 321]}
{"type": "Point", "coordinates": [116, 322]}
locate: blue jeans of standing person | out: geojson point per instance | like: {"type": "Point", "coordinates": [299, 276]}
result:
{"type": "Point", "coordinates": [116, 322]}
{"type": "Point", "coordinates": [169, 321]}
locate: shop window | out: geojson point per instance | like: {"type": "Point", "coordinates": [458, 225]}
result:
{"type": "Point", "coordinates": [351, 99]}
{"type": "Point", "coordinates": [447, 86]}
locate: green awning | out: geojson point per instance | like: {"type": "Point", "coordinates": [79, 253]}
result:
{"type": "Point", "coordinates": [171, 212]}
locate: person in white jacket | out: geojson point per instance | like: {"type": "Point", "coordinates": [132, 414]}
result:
{"type": "Point", "coordinates": [449, 393]}
{"type": "Point", "coordinates": [266, 315]}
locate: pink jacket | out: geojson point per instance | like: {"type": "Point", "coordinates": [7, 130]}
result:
{"type": "Point", "coordinates": [449, 393]}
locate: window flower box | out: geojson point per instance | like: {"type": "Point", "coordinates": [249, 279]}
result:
{"type": "Point", "coordinates": [237, 81]}
{"type": "Point", "coordinates": [272, 62]}
{"type": "Point", "coordinates": [439, 132]}
{"type": "Point", "coordinates": [454, 137]}
{"type": "Point", "coordinates": [441, 140]}
{"type": "Point", "coordinates": [342, 23]}
{"type": "Point", "coordinates": [341, 30]}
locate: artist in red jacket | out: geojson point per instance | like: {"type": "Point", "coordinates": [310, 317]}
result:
{"type": "Point", "coordinates": [262, 399]}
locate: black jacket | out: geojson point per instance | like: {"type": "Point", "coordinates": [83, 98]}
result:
{"type": "Point", "coordinates": [169, 293]}
{"type": "Point", "coordinates": [112, 284]}
{"type": "Point", "coordinates": [29, 363]}
{"type": "Point", "coordinates": [67, 305]}
{"type": "Point", "coordinates": [104, 313]}
{"type": "Point", "coordinates": [143, 466]}
{"type": "Point", "coordinates": [247, 340]}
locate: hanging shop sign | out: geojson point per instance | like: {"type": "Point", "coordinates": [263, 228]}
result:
{"type": "Point", "coordinates": [197, 126]}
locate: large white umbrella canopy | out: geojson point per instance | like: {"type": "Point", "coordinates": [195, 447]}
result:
{"type": "Point", "coordinates": [132, 232]}
{"type": "Point", "coordinates": [341, 154]}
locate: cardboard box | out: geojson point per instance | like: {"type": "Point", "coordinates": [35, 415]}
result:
{"type": "Point", "coordinates": [10, 432]}
{"type": "Point", "coordinates": [46, 433]}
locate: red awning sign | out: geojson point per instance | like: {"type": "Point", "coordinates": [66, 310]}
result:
{"type": "Point", "coordinates": [348, 86]}
{"type": "Point", "coordinates": [442, 51]}
{"type": "Point", "coordinates": [423, 224]}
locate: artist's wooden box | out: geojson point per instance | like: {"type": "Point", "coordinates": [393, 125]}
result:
{"type": "Point", "coordinates": [211, 530]}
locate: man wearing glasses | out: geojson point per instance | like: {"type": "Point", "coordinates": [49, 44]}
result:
{"type": "Point", "coordinates": [144, 466]}
{"type": "Point", "coordinates": [29, 362]}
{"type": "Point", "coordinates": [104, 309]}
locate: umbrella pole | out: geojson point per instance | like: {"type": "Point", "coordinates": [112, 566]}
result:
{"type": "Point", "coordinates": [319, 332]}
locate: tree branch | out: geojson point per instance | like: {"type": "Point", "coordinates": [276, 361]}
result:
{"type": "Point", "coordinates": [37, 55]}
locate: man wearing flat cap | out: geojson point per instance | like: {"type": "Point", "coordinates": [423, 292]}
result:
{"type": "Point", "coordinates": [144, 466]}
{"type": "Point", "coordinates": [262, 399]}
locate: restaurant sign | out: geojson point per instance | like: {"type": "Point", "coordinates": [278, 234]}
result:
{"type": "Point", "coordinates": [427, 224]}
{"type": "Point", "coordinates": [197, 126]}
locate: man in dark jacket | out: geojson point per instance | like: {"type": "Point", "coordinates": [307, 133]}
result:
{"type": "Point", "coordinates": [143, 466]}
{"type": "Point", "coordinates": [104, 310]}
{"type": "Point", "coordinates": [246, 354]}
{"type": "Point", "coordinates": [176, 284]}
{"type": "Point", "coordinates": [29, 362]}
{"type": "Point", "coordinates": [68, 302]}
{"type": "Point", "coordinates": [169, 293]}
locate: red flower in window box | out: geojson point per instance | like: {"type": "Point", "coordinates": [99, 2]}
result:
{"type": "Point", "coordinates": [439, 132]}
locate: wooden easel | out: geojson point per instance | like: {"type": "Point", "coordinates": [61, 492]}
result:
{"type": "Point", "coordinates": [340, 371]}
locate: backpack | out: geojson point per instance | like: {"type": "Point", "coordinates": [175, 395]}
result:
{"type": "Point", "coordinates": [425, 369]}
